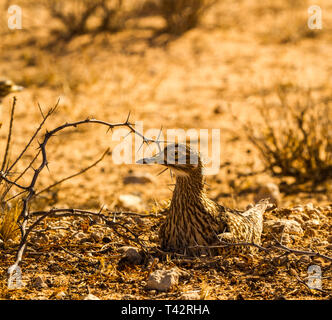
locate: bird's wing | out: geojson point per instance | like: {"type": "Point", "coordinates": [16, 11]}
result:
{"type": "Point", "coordinates": [258, 208]}
{"type": "Point", "coordinates": [247, 225]}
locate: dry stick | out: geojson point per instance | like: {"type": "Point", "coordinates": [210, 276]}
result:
{"type": "Point", "coordinates": [49, 113]}
{"type": "Point", "coordinates": [9, 134]}
{"type": "Point", "coordinates": [300, 252]}
{"type": "Point", "coordinates": [309, 288]}
{"type": "Point", "coordinates": [31, 191]}
{"type": "Point", "coordinates": [142, 215]}
{"type": "Point", "coordinates": [60, 213]}
{"type": "Point", "coordinates": [19, 177]}
{"type": "Point", "coordinates": [79, 257]}
{"type": "Point", "coordinates": [3, 177]}
{"type": "Point", "coordinates": [266, 249]}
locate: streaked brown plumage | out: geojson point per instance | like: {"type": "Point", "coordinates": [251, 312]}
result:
{"type": "Point", "coordinates": [195, 220]}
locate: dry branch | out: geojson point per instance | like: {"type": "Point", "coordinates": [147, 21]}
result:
{"type": "Point", "coordinates": [12, 113]}
{"type": "Point", "coordinates": [277, 246]}
{"type": "Point", "coordinates": [25, 215]}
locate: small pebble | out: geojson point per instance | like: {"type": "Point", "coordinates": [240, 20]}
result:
{"type": "Point", "coordinates": [90, 297]}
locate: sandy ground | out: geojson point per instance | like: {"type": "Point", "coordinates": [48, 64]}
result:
{"type": "Point", "coordinates": [241, 50]}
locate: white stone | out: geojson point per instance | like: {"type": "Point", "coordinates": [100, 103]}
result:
{"type": "Point", "coordinates": [90, 297]}
{"type": "Point", "coordinates": [163, 280]}
{"type": "Point", "coordinates": [190, 296]}
{"type": "Point", "coordinates": [130, 201]}
{"type": "Point", "coordinates": [309, 207]}
{"type": "Point", "coordinates": [61, 295]}
{"type": "Point", "coordinates": [312, 223]}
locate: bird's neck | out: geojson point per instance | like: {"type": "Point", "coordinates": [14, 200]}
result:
{"type": "Point", "coordinates": [189, 192]}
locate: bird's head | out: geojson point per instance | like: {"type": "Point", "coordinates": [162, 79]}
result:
{"type": "Point", "coordinates": [180, 158]}
{"type": "Point", "coordinates": [7, 87]}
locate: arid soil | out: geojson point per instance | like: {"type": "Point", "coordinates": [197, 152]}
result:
{"type": "Point", "coordinates": [243, 50]}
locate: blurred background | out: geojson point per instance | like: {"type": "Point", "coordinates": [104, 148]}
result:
{"type": "Point", "coordinates": [252, 68]}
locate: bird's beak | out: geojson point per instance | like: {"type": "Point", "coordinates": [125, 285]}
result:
{"type": "Point", "coordinates": [16, 88]}
{"type": "Point", "coordinates": [156, 159]}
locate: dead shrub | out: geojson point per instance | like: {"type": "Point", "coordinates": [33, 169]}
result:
{"type": "Point", "coordinates": [183, 15]}
{"type": "Point", "coordinates": [80, 17]}
{"type": "Point", "coordinates": [295, 139]}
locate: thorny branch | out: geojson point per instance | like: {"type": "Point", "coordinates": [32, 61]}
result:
{"type": "Point", "coordinates": [119, 229]}
{"type": "Point", "coordinates": [25, 215]}
{"type": "Point", "coordinates": [277, 246]}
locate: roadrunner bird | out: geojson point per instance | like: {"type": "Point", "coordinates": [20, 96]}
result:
{"type": "Point", "coordinates": [7, 87]}
{"type": "Point", "coordinates": [194, 220]}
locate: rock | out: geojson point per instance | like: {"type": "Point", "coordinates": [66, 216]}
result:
{"type": "Point", "coordinates": [138, 178]}
{"type": "Point", "coordinates": [163, 280]}
{"type": "Point", "coordinates": [131, 255]}
{"type": "Point", "coordinates": [298, 209]}
{"type": "Point", "coordinates": [314, 223]}
{"type": "Point", "coordinates": [130, 201]}
{"type": "Point", "coordinates": [329, 239]}
{"type": "Point", "coordinates": [60, 295]}
{"type": "Point", "coordinates": [282, 225]}
{"type": "Point", "coordinates": [38, 282]}
{"type": "Point", "coordinates": [314, 214]}
{"type": "Point", "coordinates": [190, 296]}
{"type": "Point", "coordinates": [269, 191]}
{"type": "Point", "coordinates": [286, 239]}
{"type": "Point", "coordinates": [308, 207]}
{"type": "Point", "coordinates": [305, 259]}
{"type": "Point", "coordinates": [309, 232]}
{"type": "Point", "coordinates": [80, 236]}
{"type": "Point", "coordinates": [90, 297]}
{"type": "Point", "coordinates": [219, 109]}
{"type": "Point", "coordinates": [305, 217]}
{"type": "Point", "coordinates": [96, 236]}
{"type": "Point", "coordinates": [296, 218]}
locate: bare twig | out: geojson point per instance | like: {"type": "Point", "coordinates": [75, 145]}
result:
{"type": "Point", "coordinates": [4, 161]}
{"type": "Point", "coordinates": [96, 262]}
{"type": "Point", "coordinates": [25, 215]}
{"type": "Point", "coordinates": [278, 246]}
{"type": "Point", "coordinates": [49, 113]}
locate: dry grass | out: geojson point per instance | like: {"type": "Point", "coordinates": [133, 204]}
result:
{"type": "Point", "coordinates": [295, 139]}
{"type": "Point", "coordinates": [9, 229]}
